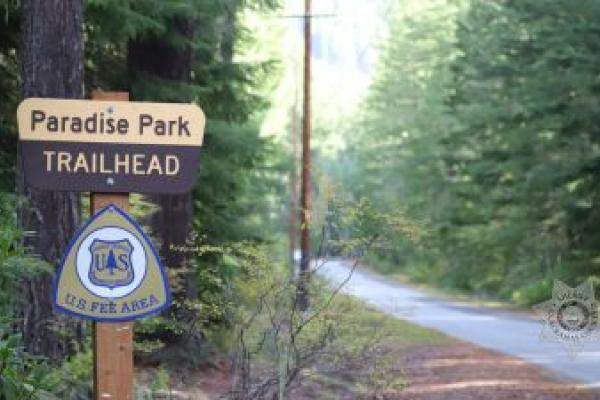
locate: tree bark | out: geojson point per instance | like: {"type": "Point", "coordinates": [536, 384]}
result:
{"type": "Point", "coordinates": [154, 57]}
{"type": "Point", "coordinates": [52, 66]}
{"type": "Point", "coordinates": [228, 33]}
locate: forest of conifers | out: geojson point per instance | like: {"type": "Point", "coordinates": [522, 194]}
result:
{"type": "Point", "coordinates": [481, 124]}
{"type": "Point", "coordinates": [479, 137]}
{"type": "Point", "coordinates": [175, 51]}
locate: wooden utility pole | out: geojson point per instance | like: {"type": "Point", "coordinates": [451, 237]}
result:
{"type": "Point", "coordinates": [113, 341]}
{"type": "Point", "coordinates": [293, 215]}
{"type": "Point", "coordinates": [305, 201]}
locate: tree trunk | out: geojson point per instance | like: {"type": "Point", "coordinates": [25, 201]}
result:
{"type": "Point", "coordinates": [228, 32]}
{"type": "Point", "coordinates": [154, 57]}
{"type": "Point", "coordinates": [52, 66]}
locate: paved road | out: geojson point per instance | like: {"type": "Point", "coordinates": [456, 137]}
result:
{"type": "Point", "coordinates": [502, 331]}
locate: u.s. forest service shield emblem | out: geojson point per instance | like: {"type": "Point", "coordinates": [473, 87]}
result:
{"type": "Point", "coordinates": [111, 271]}
{"type": "Point", "coordinates": [111, 263]}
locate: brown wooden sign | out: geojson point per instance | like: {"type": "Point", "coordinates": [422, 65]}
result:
{"type": "Point", "coordinates": [110, 146]}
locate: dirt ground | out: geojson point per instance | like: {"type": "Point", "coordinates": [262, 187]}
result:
{"type": "Point", "coordinates": [462, 371]}
{"type": "Point", "coordinates": [450, 371]}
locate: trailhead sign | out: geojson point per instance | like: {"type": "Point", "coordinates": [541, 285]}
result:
{"type": "Point", "coordinates": [110, 146]}
{"type": "Point", "coordinates": [111, 271]}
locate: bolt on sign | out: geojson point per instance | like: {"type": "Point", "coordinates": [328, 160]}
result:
{"type": "Point", "coordinates": [111, 271]}
{"type": "Point", "coordinates": [110, 146]}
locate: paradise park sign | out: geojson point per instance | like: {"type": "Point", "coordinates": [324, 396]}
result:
{"type": "Point", "coordinates": [110, 146]}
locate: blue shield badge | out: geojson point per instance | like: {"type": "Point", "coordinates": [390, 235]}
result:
{"type": "Point", "coordinates": [111, 263]}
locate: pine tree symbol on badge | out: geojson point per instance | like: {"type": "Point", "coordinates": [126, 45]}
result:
{"type": "Point", "coordinates": [570, 316]}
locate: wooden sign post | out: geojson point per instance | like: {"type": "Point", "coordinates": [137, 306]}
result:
{"type": "Point", "coordinates": [111, 272]}
{"type": "Point", "coordinates": [112, 341]}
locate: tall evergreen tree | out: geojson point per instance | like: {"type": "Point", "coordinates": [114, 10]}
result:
{"type": "Point", "coordinates": [481, 124]}
{"type": "Point", "coordinates": [533, 162]}
{"type": "Point", "coordinates": [166, 58]}
{"type": "Point", "coordinates": [183, 51]}
{"type": "Point", "coordinates": [52, 66]}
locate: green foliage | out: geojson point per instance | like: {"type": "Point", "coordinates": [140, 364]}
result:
{"type": "Point", "coordinates": [21, 376]}
{"type": "Point", "coordinates": [481, 124]}
{"type": "Point", "coordinates": [533, 293]}
{"type": "Point", "coordinates": [9, 91]}
{"type": "Point", "coordinates": [275, 345]}
{"type": "Point", "coordinates": [237, 178]}
{"type": "Point", "coordinates": [353, 227]}
{"type": "Point", "coordinates": [160, 383]}
{"type": "Point", "coordinates": [239, 171]}
{"type": "Point", "coordinates": [15, 264]}
{"type": "Point", "coordinates": [226, 89]}
{"type": "Point", "coordinates": [525, 148]}
{"type": "Point", "coordinates": [73, 380]}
